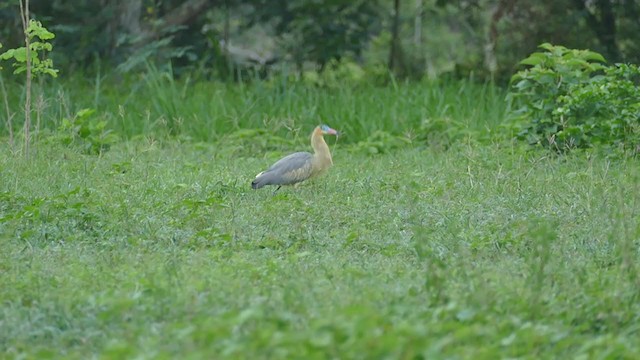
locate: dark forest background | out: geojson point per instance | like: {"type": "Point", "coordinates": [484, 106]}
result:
{"type": "Point", "coordinates": [412, 38]}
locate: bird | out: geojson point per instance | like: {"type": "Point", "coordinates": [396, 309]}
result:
{"type": "Point", "coordinates": [299, 166]}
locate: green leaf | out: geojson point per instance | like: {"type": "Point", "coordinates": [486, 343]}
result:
{"type": "Point", "coordinates": [19, 54]}
{"type": "Point", "coordinates": [523, 85]}
{"type": "Point", "coordinates": [593, 56]}
{"type": "Point", "coordinates": [20, 68]}
{"type": "Point", "coordinates": [7, 54]}
{"type": "Point", "coordinates": [37, 46]}
{"type": "Point", "coordinates": [546, 46]}
{"type": "Point", "coordinates": [35, 28]}
{"type": "Point", "coordinates": [85, 113]}
{"type": "Point", "coordinates": [52, 72]}
{"type": "Point", "coordinates": [576, 62]}
{"type": "Point", "coordinates": [534, 59]}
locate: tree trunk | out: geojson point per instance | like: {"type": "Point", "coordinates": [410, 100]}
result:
{"type": "Point", "coordinates": [631, 9]}
{"type": "Point", "coordinates": [608, 29]}
{"type": "Point", "coordinates": [129, 16]}
{"type": "Point", "coordinates": [395, 51]}
{"type": "Point", "coordinates": [417, 25]}
{"type": "Point", "coordinates": [499, 11]}
{"type": "Point", "coordinates": [603, 27]}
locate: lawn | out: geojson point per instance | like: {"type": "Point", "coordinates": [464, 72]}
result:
{"type": "Point", "coordinates": [161, 249]}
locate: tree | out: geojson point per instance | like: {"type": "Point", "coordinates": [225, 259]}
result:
{"type": "Point", "coordinates": [182, 15]}
{"type": "Point", "coordinates": [602, 21]}
{"type": "Point", "coordinates": [320, 30]}
{"type": "Point", "coordinates": [395, 49]}
{"type": "Point", "coordinates": [411, 38]}
{"type": "Point", "coordinates": [500, 10]}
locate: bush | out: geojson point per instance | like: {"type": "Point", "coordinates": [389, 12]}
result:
{"type": "Point", "coordinates": [568, 99]}
{"type": "Point", "coordinates": [604, 111]}
{"type": "Point", "coordinates": [87, 132]}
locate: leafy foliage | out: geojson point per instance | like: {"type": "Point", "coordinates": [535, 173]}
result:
{"type": "Point", "coordinates": [437, 37]}
{"type": "Point", "coordinates": [569, 99]}
{"type": "Point", "coordinates": [336, 73]}
{"type": "Point", "coordinates": [87, 132]}
{"type": "Point", "coordinates": [39, 46]}
{"type": "Point", "coordinates": [321, 30]}
{"type": "Point", "coordinates": [605, 110]}
{"type": "Point", "coordinates": [159, 51]}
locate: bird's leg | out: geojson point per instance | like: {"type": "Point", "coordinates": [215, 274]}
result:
{"type": "Point", "coordinates": [278, 188]}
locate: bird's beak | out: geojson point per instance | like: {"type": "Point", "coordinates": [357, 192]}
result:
{"type": "Point", "coordinates": [331, 131]}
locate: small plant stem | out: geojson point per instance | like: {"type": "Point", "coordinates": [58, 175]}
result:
{"type": "Point", "coordinates": [9, 115]}
{"type": "Point", "coordinates": [24, 11]}
{"type": "Point", "coordinates": [40, 104]}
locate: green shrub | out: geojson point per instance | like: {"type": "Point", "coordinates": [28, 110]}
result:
{"type": "Point", "coordinates": [604, 111]}
{"type": "Point", "coordinates": [87, 132]}
{"type": "Point", "coordinates": [568, 99]}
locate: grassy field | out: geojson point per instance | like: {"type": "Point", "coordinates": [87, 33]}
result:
{"type": "Point", "coordinates": [161, 249]}
{"type": "Point", "coordinates": [413, 248]}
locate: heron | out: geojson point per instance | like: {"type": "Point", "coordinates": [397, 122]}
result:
{"type": "Point", "coordinates": [299, 166]}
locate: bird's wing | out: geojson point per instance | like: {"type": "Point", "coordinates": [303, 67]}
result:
{"type": "Point", "coordinates": [292, 162]}
{"type": "Point", "coordinates": [288, 170]}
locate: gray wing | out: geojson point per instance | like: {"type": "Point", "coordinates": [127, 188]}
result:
{"type": "Point", "coordinates": [292, 162]}
{"type": "Point", "coordinates": [286, 171]}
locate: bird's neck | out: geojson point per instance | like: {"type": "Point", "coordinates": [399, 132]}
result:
{"type": "Point", "coordinates": [320, 148]}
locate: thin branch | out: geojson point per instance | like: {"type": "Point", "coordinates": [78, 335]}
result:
{"type": "Point", "coordinates": [5, 97]}
{"type": "Point", "coordinates": [24, 10]}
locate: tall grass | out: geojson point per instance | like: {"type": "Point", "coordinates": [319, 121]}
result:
{"type": "Point", "coordinates": [156, 103]}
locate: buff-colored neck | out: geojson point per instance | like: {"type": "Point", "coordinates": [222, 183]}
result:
{"type": "Point", "coordinates": [320, 147]}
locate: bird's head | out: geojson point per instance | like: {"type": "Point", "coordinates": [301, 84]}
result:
{"type": "Point", "coordinates": [326, 130]}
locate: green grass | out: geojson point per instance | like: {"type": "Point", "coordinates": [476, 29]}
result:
{"type": "Point", "coordinates": [160, 249]}
{"type": "Point", "coordinates": [157, 104]}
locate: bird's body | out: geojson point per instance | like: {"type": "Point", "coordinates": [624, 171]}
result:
{"type": "Point", "coordinates": [299, 166]}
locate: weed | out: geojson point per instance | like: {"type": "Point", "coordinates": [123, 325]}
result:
{"type": "Point", "coordinates": [87, 132]}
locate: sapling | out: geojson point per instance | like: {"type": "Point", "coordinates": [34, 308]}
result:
{"type": "Point", "coordinates": [30, 59]}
